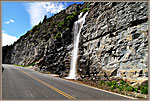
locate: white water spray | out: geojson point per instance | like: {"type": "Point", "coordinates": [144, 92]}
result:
{"type": "Point", "coordinates": [76, 30]}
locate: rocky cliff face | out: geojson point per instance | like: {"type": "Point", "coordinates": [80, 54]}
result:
{"type": "Point", "coordinates": [113, 43]}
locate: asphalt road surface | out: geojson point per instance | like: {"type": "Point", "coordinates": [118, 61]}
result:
{"type": "Point", "coordinates": [19, 83]}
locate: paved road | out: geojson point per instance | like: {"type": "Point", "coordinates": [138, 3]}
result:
{"type": "Point", "coordinates": [19, 83]}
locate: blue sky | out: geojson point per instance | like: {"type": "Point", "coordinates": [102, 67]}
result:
{"type": "Point", "coordinates": [19, 17]}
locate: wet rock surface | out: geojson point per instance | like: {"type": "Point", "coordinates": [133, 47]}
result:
{"type": "Point", "coordinates": [113, 43]}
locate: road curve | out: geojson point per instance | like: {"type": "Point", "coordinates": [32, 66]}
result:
{"type": "Point", "coordinates": [19, 83]}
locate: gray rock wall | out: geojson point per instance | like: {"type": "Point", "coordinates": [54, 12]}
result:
{"type": "Point", "coordinates": [114, 40]}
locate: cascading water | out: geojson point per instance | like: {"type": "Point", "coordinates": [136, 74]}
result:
{"type": "Point", "coordinates": [76, 30]}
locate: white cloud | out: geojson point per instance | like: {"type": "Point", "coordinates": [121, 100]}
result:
{"type": "Point", "coordinates": [7, 22]}
{"type": "Point", "coordinates": [37, 10]}
{"type": "Point", "coordinates": [10, 21]}
{"type": "Point", "coordinates": [53, 8]}
{"type": "Point", "coordinates": [7, 39]}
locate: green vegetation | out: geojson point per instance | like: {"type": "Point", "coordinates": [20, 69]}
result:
{"type": "Point", "coordinates": [123, 86]}
{"type": "Point", "coordinates": [34, 28]}
{"type": "Point", "coordinates": [122, 82]}
{"type": "Point", "coordinates": [61, 23]}
{"type": "Point", "coordinates": [58, 35]}
{"type": "Point", "coordinates": [30, 31]}
{"type": "Point", "coordinates": [69, 17]}
{"type": "Point", "coordinates": [67, 28]}
{"type": "Point", "coordinates": [88, 6]}
{"type": "Point", "coordinates": [30, 35]}
{"type": "Point", "coordinates": [84, 10]}
{"type": "Point", "coordinates": [74, 13]}
{"type": "Point", "coordinates": [112, 84]}
{"type": "Point", "coordinates": [23, 65]}
{"type": "Point", "coordinates": [64, 23]}
{"type": "Point", "coordinates": [27, 65]}
{"type": "Point", "coordinates": [36, 31]}
{"type": "Point", "coordinates": [101, 82]}
{"type": "Point", "coordinates": [120, 87]}
{"type": "Point", "coordinates": [144, 88]}
{"type": "Point", "coordinates": [53, 23]}
{"type": "Point", "coordinates": [61, 14]}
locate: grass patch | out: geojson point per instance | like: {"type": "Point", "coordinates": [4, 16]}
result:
{"type": "Point", "coordinates": [123, 86]}
{"type": "Point", "coordinates": [26, 65]}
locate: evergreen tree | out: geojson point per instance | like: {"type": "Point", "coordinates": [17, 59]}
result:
{"type": "Point", "coordinates": [40, 23]}
{"type": "Point", "coordinates": [45, 18]}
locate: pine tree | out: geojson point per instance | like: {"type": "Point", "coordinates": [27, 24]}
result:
{"type": "Point", "coordinates": [40, 23]}
{"type": "Point", "coordinates": [45, 18]}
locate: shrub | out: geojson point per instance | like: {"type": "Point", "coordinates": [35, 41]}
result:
{"type": "Point", "coordinates": [58, 35]}
{"type": "Point", "coordinates": [30, 31]}
{"type": "Point", "coordinates": [67, 28]}
{"type": "Point", "coordinates": [109, 84]}
{"type": "Point", "coordinates": [122, 82]}
{"type": "Point", "coordinates": [116, 85]}
{"type": "Point", "coordinates": [88, 6]}
{"type": "Point", "coordinates": [61, 23]}
{"type": "Point", "coordinates": [74, 13]}
{"type": "Point", "coordinates": [135, 89]}
{"type": "Point", "coordinates": [144, 89]}
{"type": "Point", "coordinates": [33, 64]}
{"type": "Point", "coordinates": [126, 84]}
{"type": "Point", "coordinates": [36, 31]}
{"type": "Point", "coordinates": [36, 26]}
{"type": "Point", "coordinates": [70, 17]}
{"type": "Point", "coordinates": [30, 35]}
{"type": "Point", "coordinates": [113, 87]}
{"type": "Point", "coordinates": [101, 82]}
{"type": "Point", "coordinates": [84, 10]}
{"type": "Point", "coordinates": [120, 87]}
{"type": "Point", "coordinates": [27, 65]}
{"type": "Point", "coordinates": [53, 23]}
{"type": "Point", "coordinates": [129, 88]}
{"type": "Point", "coordinates": [114, 82]}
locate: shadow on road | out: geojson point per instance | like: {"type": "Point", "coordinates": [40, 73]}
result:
{"type": "Point", "coordinates": [2, 68]}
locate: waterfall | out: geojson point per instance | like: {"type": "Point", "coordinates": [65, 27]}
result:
{"type": "Point", "coordinates": [76, 31]}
